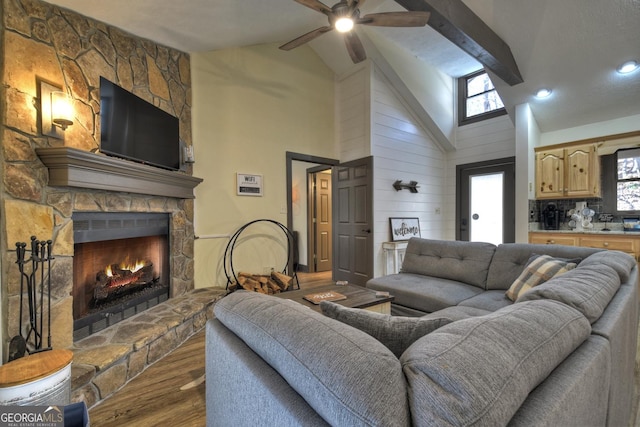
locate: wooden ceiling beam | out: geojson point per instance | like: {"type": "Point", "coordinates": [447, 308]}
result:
{"type": "Point", "coordinates": [455, 21]}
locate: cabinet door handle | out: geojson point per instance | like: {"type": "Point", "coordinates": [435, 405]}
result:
{"type": "Point", "coordinates": [605, 244]}
{"type": "Point", "coordinates": [551, 242]}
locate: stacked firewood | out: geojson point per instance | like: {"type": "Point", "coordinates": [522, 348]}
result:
{"type": "Point", "coordinates": [265, 284]}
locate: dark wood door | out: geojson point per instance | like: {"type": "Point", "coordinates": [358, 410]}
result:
{"type": "Point", "coordinates": [322, 218]}
{"type": "Point", "coordinates": [486, 212]}
{"type": "Point", "coordinates": [353, 221]}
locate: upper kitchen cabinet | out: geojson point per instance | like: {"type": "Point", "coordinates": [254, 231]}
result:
{"type": "Point", "coordinates": [567, 172]}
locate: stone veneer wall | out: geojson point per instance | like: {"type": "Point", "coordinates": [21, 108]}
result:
{"type": "Point", "coordinates": [39, 40]}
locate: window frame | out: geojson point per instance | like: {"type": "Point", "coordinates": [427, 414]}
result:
{"type": "Point", "coordinates": [610, 180]}
{"type": "Point", "coordinates": [462, 102]}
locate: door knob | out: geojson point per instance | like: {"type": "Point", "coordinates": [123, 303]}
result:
{"type": "Point", "coordinates": [366, 230]}
{"type": "Point", "coordinates": [475, 216]}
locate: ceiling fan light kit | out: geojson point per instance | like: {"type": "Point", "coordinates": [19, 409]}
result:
{"type": "Point", "coordinates": [344, 15]}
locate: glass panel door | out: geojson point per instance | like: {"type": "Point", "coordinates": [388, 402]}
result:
{"type": "Point", "coordinates": [486, 202]}
{"type": "Point", "coordinates": [485, 206]}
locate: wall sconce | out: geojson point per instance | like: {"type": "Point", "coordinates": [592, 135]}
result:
{"type": "Point", "coordinates": [56, 112]}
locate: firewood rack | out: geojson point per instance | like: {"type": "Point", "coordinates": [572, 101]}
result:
{"type": "Point", "coordinates": [289, 267]}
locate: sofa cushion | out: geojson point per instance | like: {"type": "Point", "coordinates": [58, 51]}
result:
{"type": "Point", "coordinates": [487, 300]}
{"type": "Point", "coordinates": [621, 262]}
{"type": "Point", "coordinates": [457, 312]}
{"type": "Point", "coordinates": [395, 332]}
{"type": "Point", "coordinates": [510, 258]}
{"type": "Point", "coordinates": [588, 289]}
{"type": "Point", "coordinates": [424, 293]}
{"type": "Point", "coordinates": [538, 270]}
{"type": "Point", "coordinates": [466, 262]}
{"type": "Point", "coordinates": [479, 371]}
{"type": "Point", "coordinates": [334, 367]}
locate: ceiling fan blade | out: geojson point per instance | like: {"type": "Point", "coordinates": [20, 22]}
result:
{"type": "Point", "coordinates": [306, 38]}
{"type": "Point", "coordinates": [396, 19]}
{"type": "Point", "coordinates": [316, 5]}
{"type": "Point", "coordinates": [354, 47]}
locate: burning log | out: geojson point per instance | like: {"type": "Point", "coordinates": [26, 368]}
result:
{"type": "Point", "coordinates": [115, 281]}
{"type": "Point", "coordinates": [264, 284]}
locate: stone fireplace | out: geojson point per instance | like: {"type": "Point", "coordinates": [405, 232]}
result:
{"type": "Point", "coordinates": [46, 181]}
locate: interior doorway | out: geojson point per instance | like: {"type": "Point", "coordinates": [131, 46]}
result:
{"type": "Point", "coordinates": [319, 219]}
{"type": "Point", "coordinates": [485, 208]}
{"type": "Point", "coordinates": [301, 210]}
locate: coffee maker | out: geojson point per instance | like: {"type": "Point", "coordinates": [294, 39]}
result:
{"type": "Point", "coordinates": [551, 217]}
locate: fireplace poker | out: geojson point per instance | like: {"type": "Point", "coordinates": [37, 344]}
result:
{"type": "Point", "coordinates": [49, 258]}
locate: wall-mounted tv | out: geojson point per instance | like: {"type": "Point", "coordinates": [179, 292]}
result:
{"type": "Point", "coordinates": [134, 129]}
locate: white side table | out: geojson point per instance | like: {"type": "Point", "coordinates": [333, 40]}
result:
{"type": "Point", "coordinates": [394, 255]}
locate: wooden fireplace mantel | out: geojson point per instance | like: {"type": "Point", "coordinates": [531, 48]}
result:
{"type": "Point", "coordinates": [71, 167]}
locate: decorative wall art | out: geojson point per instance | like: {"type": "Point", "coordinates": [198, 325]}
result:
{"type": "Point", "coordinates": [249, 184]}
{"type": "Point", "coordinates": [404, 228]}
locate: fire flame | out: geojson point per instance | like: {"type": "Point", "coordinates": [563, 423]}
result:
{"type": "Point", "coordinates": [126, 265]}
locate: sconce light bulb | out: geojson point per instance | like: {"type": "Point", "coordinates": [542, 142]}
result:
{"type": "Point", "coordinates": [61, 109]}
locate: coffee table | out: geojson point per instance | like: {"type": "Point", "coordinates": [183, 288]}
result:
{"type": "Point", "coordinates": [357, 297]}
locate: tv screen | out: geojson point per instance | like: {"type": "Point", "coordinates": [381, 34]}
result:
{"type": "Point", "coordinates": [134, 129]}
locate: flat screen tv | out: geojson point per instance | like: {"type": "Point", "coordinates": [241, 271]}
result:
{"type": "Point", "coordinates": [134, 129]}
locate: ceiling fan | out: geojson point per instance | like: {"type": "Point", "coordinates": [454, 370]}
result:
{"type": "Point", "coordinates": [345, 14]}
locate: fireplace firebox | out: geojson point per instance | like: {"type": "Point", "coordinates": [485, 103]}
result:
{"type": "Point", "coordinates": [121, 266]}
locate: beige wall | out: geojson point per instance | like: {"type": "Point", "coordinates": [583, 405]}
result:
{"type": "Point", "coordinates": [251, 105]}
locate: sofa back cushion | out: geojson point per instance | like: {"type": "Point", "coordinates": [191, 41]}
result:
{"type": "Point", "coordinates": [587, 288]}
{"type": "Point", "coordinates": [478, 371]}
{"type": "Point", "coordinates": [466, 262]}
{"type": "Point", "coordinates": [395, 332]}
{"type": "Point", "coordinates": [621, 262]}
{"type": "Point", "coordinates": [511, 258]}
{"type": "Point", "coordinates": [334, 367]}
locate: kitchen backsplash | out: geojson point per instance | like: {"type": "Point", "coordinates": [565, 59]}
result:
{"type": "Point", "coordinates": [564, 205]}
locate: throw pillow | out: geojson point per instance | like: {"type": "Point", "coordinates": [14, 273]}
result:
{"type": "Point", "coordinates": [538, 270]}
{"type": "Point", "coordinates": [395, 332]}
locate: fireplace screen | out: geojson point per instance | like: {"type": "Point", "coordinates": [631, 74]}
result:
{"type": "Point", "coordinates": [120, 268]}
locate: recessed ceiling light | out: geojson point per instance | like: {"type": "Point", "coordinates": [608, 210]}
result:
{"type": "Point", "coordinates": [543, 93]}
{"type": "Point", "coordinates": [628, 67]}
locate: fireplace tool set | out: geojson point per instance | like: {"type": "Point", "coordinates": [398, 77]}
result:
{"type": "Point", "coordinates": [34, 278]}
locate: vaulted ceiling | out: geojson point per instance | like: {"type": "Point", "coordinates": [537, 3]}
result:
{"type": "Point", "coordinates": [569, 46]}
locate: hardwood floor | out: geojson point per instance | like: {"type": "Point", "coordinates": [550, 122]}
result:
{"type": "Point", "coordinates": [172, 391]}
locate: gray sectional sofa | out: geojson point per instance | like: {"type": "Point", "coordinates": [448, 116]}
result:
{"type": "Point", "coordinates": [458, 353]}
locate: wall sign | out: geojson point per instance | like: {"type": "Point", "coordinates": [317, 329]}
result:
{"type": "Point", "coordinates": [248, 184]}
{"type": "Point", "coordinates": [404, 228]}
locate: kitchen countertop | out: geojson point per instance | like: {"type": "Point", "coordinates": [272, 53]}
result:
{"type": "Point", "coordinates": [615, 229]}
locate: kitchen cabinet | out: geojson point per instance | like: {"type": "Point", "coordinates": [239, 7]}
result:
{"type": "Point", "coordinates": [553, 239]}
{"type": "Point", "coordinates": [617, 242]}
{"type": "Point", "coordinates": [567, 172]}
{"type": "Point", "coordinates": [614, 243]}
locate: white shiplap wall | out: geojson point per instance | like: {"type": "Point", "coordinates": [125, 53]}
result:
{"type": "Point", "coordinates": [353, 114]}
{"type": "Point", "coordinates": [476, 142]}
{"type": "Point", "coordinates": [402, 149]}
{"type": "Point", "coordinates": [373, 119]}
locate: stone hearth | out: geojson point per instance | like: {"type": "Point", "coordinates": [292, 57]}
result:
{"type": "Point", "coordinates": [104, 362]}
